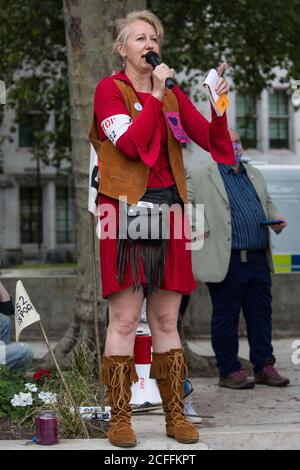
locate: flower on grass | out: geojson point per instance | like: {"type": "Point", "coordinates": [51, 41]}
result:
{"type": "Point", "coordinates": [23, 399]}
{"type": "Point", "coordinates": [26, 399]}
{"type": "Point", "coordinates": [31, 387]}
{"type": "Point", "coordinates": [47, 397]}
{"type": "Point", "coordinates": [41, 375]}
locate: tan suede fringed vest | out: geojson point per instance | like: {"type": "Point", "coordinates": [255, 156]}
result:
{"type": "Point", "coordinates": [122, 176]}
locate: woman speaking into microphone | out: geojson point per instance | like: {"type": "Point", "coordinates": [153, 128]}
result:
{"type": "Point", "coordinates": [138, 130]}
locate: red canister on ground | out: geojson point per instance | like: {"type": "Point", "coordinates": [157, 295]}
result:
{"type": "Point", "coordinates": [46, 425]}
{"type": "Point", "coordinates": [142, 349]}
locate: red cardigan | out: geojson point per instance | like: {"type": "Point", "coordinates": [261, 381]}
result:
{"type": "Point", "coordinates": [146, 137]}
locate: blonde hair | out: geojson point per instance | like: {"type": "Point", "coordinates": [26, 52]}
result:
{"type": "Point", "coordinates": [121, 32]}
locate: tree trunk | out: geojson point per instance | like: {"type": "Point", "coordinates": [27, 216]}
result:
{"type": "Point", "coordinates": [88, 26]}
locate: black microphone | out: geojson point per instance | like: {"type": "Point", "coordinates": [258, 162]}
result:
{"type": "Point", "coordinates": [153, 59]}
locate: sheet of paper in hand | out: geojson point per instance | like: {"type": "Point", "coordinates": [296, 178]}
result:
{"type": "Point", "coordinates": [176, 127]}
{"type": "Point", "coordinates": [219, 102]}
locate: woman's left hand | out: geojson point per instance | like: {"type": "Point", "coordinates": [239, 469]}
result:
{"type": "Point", "coordinates": [222, 87]}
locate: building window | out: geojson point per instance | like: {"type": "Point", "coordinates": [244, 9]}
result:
{"type": "Point", "coordinates": [29, 124]}
{"type": "Point", "coordinates": [279, 119]}
{"type": "Point", "coordinates": [65, 210]}
{"type": "Point", "coordinates": [246, 118]}
{"type": "Point", "coordinates": [31, 215]}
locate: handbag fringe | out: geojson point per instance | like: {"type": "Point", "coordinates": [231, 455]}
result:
{"type": "Point", "coordinates": [146, 257]}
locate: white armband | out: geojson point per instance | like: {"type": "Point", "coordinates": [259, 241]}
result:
{"type": "Point", "coordinates": [115, 126]}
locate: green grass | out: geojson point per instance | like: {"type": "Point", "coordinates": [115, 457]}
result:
{"type": "Point", "coordinates": [82, 378]}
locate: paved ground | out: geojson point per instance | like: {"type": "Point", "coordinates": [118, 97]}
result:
{"type": "Point", "coordinates": [263, 418]}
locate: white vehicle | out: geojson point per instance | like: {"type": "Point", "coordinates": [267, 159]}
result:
{"type": "Point", "coordinates": [283, 182]}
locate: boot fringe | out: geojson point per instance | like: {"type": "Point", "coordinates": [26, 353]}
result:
{"type": "Point", "coordinates": [159, 368]}
{"type": "Point", "coordinates": [109, 365]}
{"type": "Point", "coordinates": [161, 364]}
{"type": "Point", "coordinates": [133, 373]}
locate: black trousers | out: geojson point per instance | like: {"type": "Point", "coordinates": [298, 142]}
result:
{"type": "Point", "coordinates": [247, 286]}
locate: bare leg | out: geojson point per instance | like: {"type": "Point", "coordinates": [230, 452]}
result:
{"type": "Point", "coordinates": [162, 314]}
{"type": "Point", "coordinates": [124, 314]}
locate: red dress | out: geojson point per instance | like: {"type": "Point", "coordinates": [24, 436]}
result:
{"type": "Point", "coordinates": [146, 138]}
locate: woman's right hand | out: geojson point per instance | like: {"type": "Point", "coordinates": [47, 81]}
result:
{"type": "Point", "coordinates": [160, 75]}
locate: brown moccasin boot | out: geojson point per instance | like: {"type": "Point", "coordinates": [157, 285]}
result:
{"type": "Point", "coordinates": [118, 374]}
{"type": "Point", "coordinates": [170, 370]}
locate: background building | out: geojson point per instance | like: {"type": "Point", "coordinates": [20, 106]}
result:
{"type": "Point", "coordinates": [37, 210]}
{"type": "Point", "coordinates": [268, 124]}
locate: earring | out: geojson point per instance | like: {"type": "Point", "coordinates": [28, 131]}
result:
{"type": "Point", "coordinates": [123, 62]}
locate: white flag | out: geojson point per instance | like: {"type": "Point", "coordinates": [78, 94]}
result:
{"type": "Point", "coordinates": [25, 313]}
{"type": "Point", "coordinates": [93, 181]}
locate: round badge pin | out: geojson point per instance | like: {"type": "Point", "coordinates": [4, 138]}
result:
{"type": "Point", "coordinates": [138, 106]}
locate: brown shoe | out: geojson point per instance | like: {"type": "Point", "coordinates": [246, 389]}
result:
{"type": "Point", "coordinates": [271, 377]}
{"type": "Point", "coordinates": [237, 380]}
{"type": "Point", "coordinates": [118, 374]}
{"type": "Point", "coordinates": [170, 370]}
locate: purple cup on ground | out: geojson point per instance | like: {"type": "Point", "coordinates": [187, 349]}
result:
{"type": "Point", "coordinates": [46, 425]}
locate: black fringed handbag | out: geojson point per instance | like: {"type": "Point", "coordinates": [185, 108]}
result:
{"type": "Point", "coordinates": [143, 234]}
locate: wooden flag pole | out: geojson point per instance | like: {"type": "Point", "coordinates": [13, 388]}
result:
{"type": "Point", "coordinates": [95, 305]}
{"type": "Point", "coordinates": [63, 381]}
